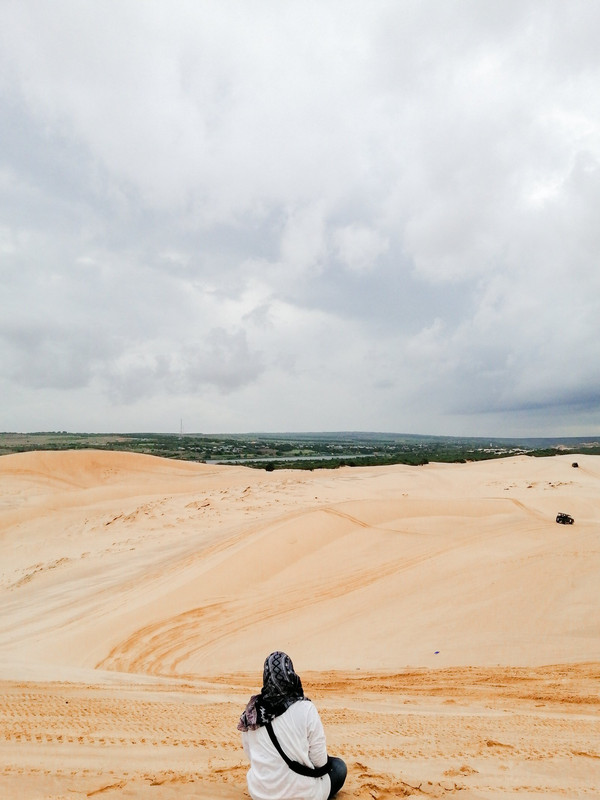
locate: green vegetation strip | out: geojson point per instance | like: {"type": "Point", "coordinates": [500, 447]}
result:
{"type": "Point", "coordinates": [300, 450]}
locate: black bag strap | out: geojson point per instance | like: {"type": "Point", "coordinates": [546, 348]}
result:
{"type": "Point", "coordinates": [296, 766]}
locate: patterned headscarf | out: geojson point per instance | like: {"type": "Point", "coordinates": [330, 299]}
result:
{"type": "Point", "coordinates": [281, 689]}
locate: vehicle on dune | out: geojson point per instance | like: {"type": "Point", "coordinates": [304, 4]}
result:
{"type": "Point", "coordinates": [564, 519]}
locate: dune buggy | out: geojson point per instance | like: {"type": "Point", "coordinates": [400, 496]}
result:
{"type": "Point", "coordinates": [564, 519]}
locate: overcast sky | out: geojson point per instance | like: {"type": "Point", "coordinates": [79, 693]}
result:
{"type": "Point", "coordinates": [332, 215]}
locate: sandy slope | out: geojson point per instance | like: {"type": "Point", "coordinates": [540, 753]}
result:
{"type": "Point", "coordinates": [447, 627]}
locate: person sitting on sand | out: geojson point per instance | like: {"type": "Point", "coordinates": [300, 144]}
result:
{"type": "Point", "coordinates": [283, 737]}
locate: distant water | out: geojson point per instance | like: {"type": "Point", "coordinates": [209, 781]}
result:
{"type": "Point", "coordinates": [266, 459]}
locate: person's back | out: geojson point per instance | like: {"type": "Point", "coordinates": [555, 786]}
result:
{"type": "Point", "coordinates": [283, 736]}
{"type": "Point", "coordinates": [301, 736]}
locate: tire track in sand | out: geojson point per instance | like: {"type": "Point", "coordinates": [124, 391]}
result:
{"type": "Point", "coordinates": [476, 733]}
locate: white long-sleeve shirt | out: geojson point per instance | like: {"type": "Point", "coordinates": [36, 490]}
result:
{"type": "Point", "coordinates": [302, 738]}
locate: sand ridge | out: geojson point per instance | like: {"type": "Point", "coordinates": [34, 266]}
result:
{"type": "Point", "coordinates": [447, 627]}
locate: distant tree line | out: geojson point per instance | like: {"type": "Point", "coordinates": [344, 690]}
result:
{"type": "Point", "coordinates": [298, 451]}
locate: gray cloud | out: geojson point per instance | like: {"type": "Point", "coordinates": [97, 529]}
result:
{"type": "Point", "coordinates": [315, 216]}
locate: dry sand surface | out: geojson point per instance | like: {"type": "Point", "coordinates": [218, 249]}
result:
{"type": "Point", "coordinates": [446, 627]}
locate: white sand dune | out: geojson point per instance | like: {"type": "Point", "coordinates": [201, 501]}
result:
{"type": "Point", "coordinates": [431, 610]}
